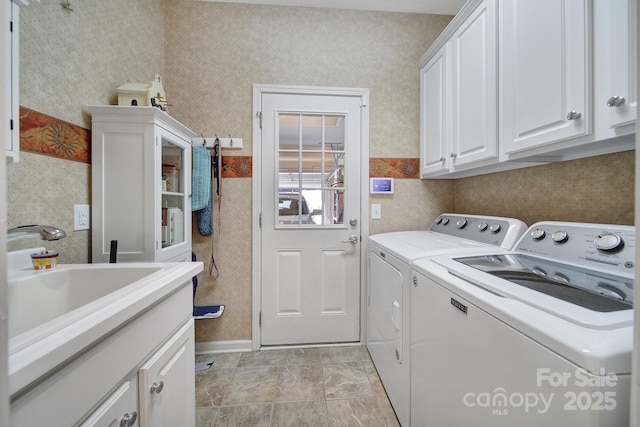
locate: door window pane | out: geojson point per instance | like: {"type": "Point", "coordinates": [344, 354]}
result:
{"type": "Point", "coordinates": [310, 158]}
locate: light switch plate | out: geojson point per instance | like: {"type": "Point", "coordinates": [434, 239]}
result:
{"type": "Point", "coordinates": [81, 217]}
{"type": "Point", "coordinates": [376, 211]}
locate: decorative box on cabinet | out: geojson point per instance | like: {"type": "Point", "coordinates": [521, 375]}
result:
{"type": "Point", "coordinates": [141, 184]}
{"type": "Point", "coordinates": [458, 106]}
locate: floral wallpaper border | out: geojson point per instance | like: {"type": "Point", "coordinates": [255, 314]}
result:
{"type": "Point", "coordinates": [47, 135]}
{"type": "Point", "coordinates": [401, 168]}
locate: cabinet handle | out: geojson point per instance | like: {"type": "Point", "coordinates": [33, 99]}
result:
{"type": "Point", "coordinates": [442, 159]}
{"type": "Point", "coordinates": [615, 101]}
{"type": "Point", "coordinates": [129, 420]}
{"type": "Point", "coordinates": [453, 155]}
{"type": "Point", "coordinates": [157, 387]}
{"type": "Point", "coordinates": [574, 115]}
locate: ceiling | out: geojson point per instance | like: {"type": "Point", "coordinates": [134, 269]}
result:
{"type": "Point", "coordinates": [438, 7]}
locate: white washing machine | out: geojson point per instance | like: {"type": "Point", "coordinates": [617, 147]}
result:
{"type": "Point", "coordinates": [538, 336]}
{"type": "Point", "coordinates": [389, 276]}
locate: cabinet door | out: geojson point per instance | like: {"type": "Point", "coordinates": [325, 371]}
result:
{"type": "Point", "coordinates": [544, 65]}
{"type": "Point", "coordinates": [474, 118]}
{"type": "Point", "coordinates": [434, 134]}
{"type": "Point", "coordinates": [167, 383]}
{"type": "Point", "coordinates": [118, 410]}
{"type": "Point", "coordinates": [123, 193]}
{"type": "Point", "coordinates": [174, 209]}
{"type": "Point", "coordinates": [615, 32]}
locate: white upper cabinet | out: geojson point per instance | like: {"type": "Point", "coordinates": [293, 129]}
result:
{"type": "Point", "coordinates": [10, 80]}
{"type": "Point", "coordinates": [615, 65]}
{"type": "Point", "coordinates": [545, 69]}
{"type": "Point", "coordinates": [141, 185]}
{"type": "Point", "coordinates": [458, 94]}
{"type": "Point", "coordinates": [434, 134]}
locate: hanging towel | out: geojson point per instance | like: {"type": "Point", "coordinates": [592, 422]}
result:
{"type": "Point", "coordinates": [201, 178]}
{"type": "Point", "coordinates": [205, 221]}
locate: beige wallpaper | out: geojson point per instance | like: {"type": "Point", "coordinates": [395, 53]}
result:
{"type": "Point", "coordinates": [598, 189]}
{"type": "Point", "coordinates": [69, 61]}
{"type": "Point", "coordinates": [216, 52]}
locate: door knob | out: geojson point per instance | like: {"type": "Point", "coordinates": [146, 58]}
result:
{"type": "Point", "coordinates": [353, 239]}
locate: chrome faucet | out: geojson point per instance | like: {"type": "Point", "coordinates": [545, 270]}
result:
{"type": "Point", "coordinates": [46, 232]}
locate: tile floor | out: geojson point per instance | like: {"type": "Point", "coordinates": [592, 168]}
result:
{"type": "Point", "coordinates": [332, 386]}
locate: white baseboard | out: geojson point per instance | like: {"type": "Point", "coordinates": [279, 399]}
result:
{"type": "Point", "coordinates": [223, 346]}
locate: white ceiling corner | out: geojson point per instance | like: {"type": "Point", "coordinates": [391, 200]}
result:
{"type": "Point", "coordinates": [438, 7]}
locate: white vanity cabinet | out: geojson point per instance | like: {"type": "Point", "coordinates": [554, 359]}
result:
{"type": "Point", "coordinates": [10, 59]}
{"type": "Point", "coordinates": [545, 70]}
{"type": "Point", "coordinates": [167, 383]}
{"type": "Point", "coordinates": [121, 408]}
{"type": "Point", "coordinates": [161, 394]}
{"type": "Point", "coordinates": [458, 78]}
{"type": "Point", "coordinates": [139, 374]}
{"type": "Point", "coordinates": [141, 185]}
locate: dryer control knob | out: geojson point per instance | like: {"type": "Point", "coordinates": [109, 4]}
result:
{"type": "Point", "coordinates": [483, 226]}
{"type": "Point", "coordinates": [538, 234]}
{"type": "Point", "coordinates": [495, 228]}
{"type": "Point", "coordinates": [445, 221]}
{"type": "Point", "coordinates": [608, 242]}
{"type": "Point", "coordinates": [439, 220]}
{"type": "Point", "coordinates": [560, 236]}
{"type": "Point", "coordinates": [462, 223]}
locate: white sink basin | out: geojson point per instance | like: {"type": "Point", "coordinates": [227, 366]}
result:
{"type": "Point", "coordinates": [47, 295]}
{"type": "Point", "coordinates": [56, 314]}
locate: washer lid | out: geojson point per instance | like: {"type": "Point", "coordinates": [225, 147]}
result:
{"type": "Point", "coordinates": [577, 314]}
{"type": "Point", "coordinates": [594, 290]}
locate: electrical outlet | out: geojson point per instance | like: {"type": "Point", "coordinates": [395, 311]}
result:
{"type": "Point", "coordinates": [81, 218]}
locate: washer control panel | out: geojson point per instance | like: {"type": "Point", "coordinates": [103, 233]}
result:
{"type": "Point", "coordinates": [498, 231]}
{"type": "Point", "coordinates": [601, 246]}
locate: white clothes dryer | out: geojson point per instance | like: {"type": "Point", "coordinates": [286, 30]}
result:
{"type": "Point", "coordinates": [389, 280]}
{"type": "Point", "coordinates": [538, 336]}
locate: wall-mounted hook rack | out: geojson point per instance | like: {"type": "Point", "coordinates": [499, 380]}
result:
{"type": "Point", "coordinates": [229, 143]}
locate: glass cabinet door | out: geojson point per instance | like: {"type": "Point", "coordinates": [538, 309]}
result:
{"type": "Point", "coordinates": [174, 192]}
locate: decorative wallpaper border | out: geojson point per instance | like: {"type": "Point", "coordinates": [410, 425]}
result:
{"type": "Point", "coordinates": [401, 168]}
{"type": "Point", "coordinates": [47, 135]}
{"type": "Point", "coordinates": [237, 166]}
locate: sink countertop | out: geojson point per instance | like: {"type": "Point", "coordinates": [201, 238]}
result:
{"type": "Point", "coordinates": [34, 354]}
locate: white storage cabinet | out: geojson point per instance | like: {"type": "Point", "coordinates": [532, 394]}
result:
{"type": "Point", "coordinates": [458, 78]}
{"type": "Point", "coordinates": [568, 78]}
{"type": "Point", "coordinates": [545, 69]}
{"type": "Point", "coordinates": [141, 185]}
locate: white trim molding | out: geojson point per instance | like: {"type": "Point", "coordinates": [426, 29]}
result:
{"type": "Point", "coordinates": [258, 91]}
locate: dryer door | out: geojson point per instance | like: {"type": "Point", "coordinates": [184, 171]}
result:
{"type": "Point", "coordinates": [385, 308]}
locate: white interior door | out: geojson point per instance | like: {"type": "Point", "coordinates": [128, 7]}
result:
{"type": "Point", "coordinates": [310, 218]}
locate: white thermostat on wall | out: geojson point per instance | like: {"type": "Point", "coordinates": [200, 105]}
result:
{"type": "Point", "coordinates": [381, 185]}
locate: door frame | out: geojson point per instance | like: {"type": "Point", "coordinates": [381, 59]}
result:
{"type": "Point", "coordinates": [256, 264]}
